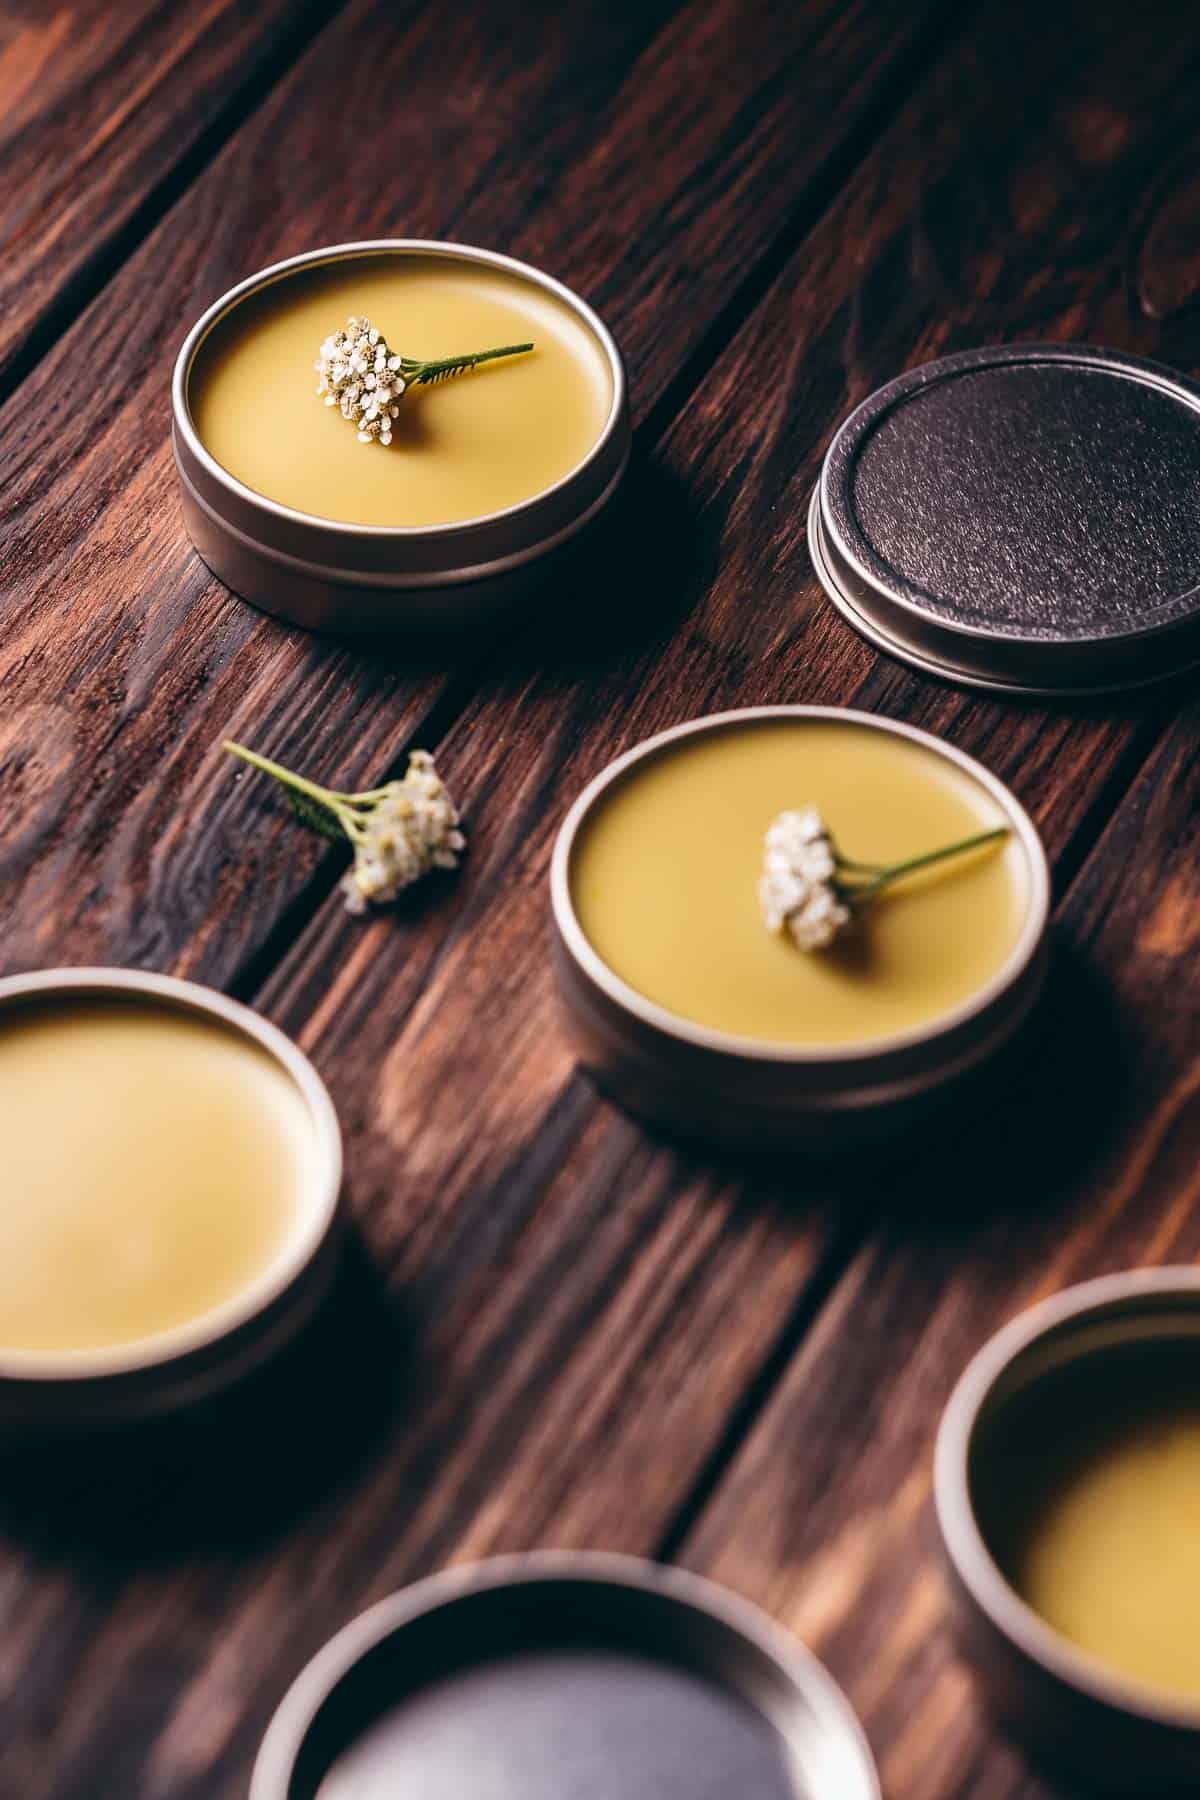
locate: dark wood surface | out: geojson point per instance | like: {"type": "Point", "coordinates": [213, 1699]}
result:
{"type": "Point", "coordinates": [554, 1329]}
{"type": "Point", "coordinates": [108, 113]}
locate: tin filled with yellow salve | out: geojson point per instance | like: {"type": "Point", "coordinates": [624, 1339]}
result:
{"type": "Point", "coordinates": [484, 478]}
{"type": "Point", "coordinates": [697, 1008]}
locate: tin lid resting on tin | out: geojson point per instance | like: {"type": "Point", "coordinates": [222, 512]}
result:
{"type": "Point", "coordinates": [540, 1677]}
{"type": "Point", "coordinates": [1024, 518]}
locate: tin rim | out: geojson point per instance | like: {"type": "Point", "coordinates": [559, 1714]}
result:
{"type": "Point", "coordinates": [280, 271]}
{"type": "Point", "coordinates": [385, 581]}
{"type": "Point", "coordinates": [964, 1543]}
{"type": "Point", "coordinates": [944, 670]}
{"type": "Point", "coordinates": [674, 1025]}
{"type": "Point", "coordinates": [801, 1669]}
{"type": "Point", "coordinates": [303, 1240]}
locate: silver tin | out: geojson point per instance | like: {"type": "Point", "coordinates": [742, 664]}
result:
{"type": "Point", "coordinates": [355, 579]}
{"type": "Point", "coordinates": [1083, 1722]}
{"type": "Point", "coordinates": [1024, 519]}
{"type": "Point", "coordinates": [45, 1393]}
{"type": "Point", "coordinates": [513, 1715]}
{"type": "Point", "coordinates": [738, 1091]}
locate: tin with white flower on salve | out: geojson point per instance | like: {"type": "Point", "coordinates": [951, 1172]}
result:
{"type": "Point", "coordinates": [397, 436]}
{"type": "Point", "coordinates": [796, 925]}
{"type": "Point", "coordinates": [171, 1166]}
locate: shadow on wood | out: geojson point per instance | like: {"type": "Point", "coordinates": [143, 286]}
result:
{"type": "Point", "coordinates": [1050, 1109]}
{"type": "Point", "coordinates": [656, 555]}
{"type": "Point", "coordinates": [236, 1471]}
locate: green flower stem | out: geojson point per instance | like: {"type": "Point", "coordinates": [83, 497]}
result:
{"type": "Point", "coordinates": [415, 372]}
{"type": "Point", "coordinates": [339, 804]}
{"type": "Point", "coordinates": [883, 874]}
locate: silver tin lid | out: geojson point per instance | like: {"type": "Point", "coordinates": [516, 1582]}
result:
{"type": "Point", "coordinates": [1023, 518]}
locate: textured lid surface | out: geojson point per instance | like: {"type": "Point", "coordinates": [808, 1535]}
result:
{"type": "Point", "coordinates": [1024, 517]}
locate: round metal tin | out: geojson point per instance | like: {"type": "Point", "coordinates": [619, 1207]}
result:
{"type": "Point", "coordinates": [1083, 1721]}
{"type": "Point", "coordinates": [377, 580]}
{"type": "Point", "coordinates": [1023, 518]}
{"type": "Point", "coordinates": [535, 1677]}
{"type": "Point", "coordinates": [746, 1094]}
{"type": "Point", "coordinates": [45, 1393]}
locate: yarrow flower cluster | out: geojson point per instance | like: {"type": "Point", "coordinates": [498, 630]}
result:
{"type": "Point", "coordinates": [799, 889]}
{"type": "Point", "coordinates": [362, 376]}
{"type": "Point", "coordinates": [365, 379]}
{"type": "Point", "coordinates": [811, 891]}
{"type": "Point", "coordinates": [411, 829]}
{"type": "Point", "coordinates": [400, 831]}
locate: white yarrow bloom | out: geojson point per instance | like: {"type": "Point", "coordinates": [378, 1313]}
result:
{"type": "Point", "coordinates": [799, 889]}
{"type": "Point", "coordinates": [360, 376]}
{"type": "Point", "coordinates": [399, 832]}
{"type": "Point", "coordinates": [411, 829]}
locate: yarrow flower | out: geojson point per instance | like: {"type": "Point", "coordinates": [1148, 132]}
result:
{"type": "Point", "coordinates": [799, 889]}
{"type": "Point", "coordinates": [811, 891]}
{"type": "Point", "coordinates": [362, 377]}
{"type": "Point", "coordinates": [400, 831]}
{"type": "Point", "coordinates": [411, 828]}
{"type": "Point", "coordinates": [366, 380]}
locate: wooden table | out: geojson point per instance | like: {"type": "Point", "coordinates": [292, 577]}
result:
{"type": "Point", "coordinates": [556, 1330]}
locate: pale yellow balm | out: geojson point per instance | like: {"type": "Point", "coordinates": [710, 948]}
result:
{"type": "Point", "coordinates": [665, 883]}
{"type": "Point", "coordinates": [1103, 1530]}
{"type": "Point", "coordinates": [153, 1165]}
{"type": "Point", "coordinates": [461, 449]}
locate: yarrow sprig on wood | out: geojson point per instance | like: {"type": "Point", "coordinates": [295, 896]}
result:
{"type": "Point", "coordinates": [811, 891]}
{"type": "Point", "coordinates": [366, 379]}
{"type": "Point", "coordinates": [399, 831]}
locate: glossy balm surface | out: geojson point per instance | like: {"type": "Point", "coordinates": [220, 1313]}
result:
{"type": "Point", "coordinates": [461, 449]}
{"type": "Point", "coordinates": [152, 1165]}
{"type": "Point", "coordinates": [665, 872]}
{"type": "Point", "coordinates": [1103, 1534]}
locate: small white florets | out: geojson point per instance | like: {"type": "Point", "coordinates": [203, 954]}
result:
{"type": "Point", "coordinates": [410, 829]}
{"type": "Point", "coordinates": [799, 890]}
{"type": "Point", "coordinates": [360, 375]}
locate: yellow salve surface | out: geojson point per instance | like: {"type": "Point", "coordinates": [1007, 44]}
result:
{"type": "Point", "coordinates": [152, 1164]}
{"type": "Point", "coordinates": [1100, 1525]}
{"type": "Point", "coordinates": [665, 872]}
{"type": "Point", "coordinates": [461, 449]}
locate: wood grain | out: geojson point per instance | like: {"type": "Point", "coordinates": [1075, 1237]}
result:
{"type": "Point", "coordinates": [155, 1608]}
{"type": "Point", "coordinates": [648, 158]}
{"type": "Point", "coordinates": [558, 1330]}
{"type": "Point", "coordinates": [107, 109]}
{"type": "Point", "coordinates": [720, 606]}
{"type": "Point", "coordinates": [438, 1027]}
{"type": "Point", "coordinates": [158, 1605]}
{"type": "Point", "coordinates": [1092, 1166]}
{"type": "Point", "coordinates": [726, 612]}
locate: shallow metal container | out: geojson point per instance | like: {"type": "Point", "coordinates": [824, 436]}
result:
{"type": "Point", "coordinates": [535, 1677]}
{"type": "Point", "coordinates": [746, 1094]}
{"type": "Point", "coordinates": [377, 580]}
{"type": "Point", "coordinates": [1084, 1724]}
{"type": "Point", "coordinates": [1024, 518]}
{"type": "Point", "coordinates": [48, 1393]}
